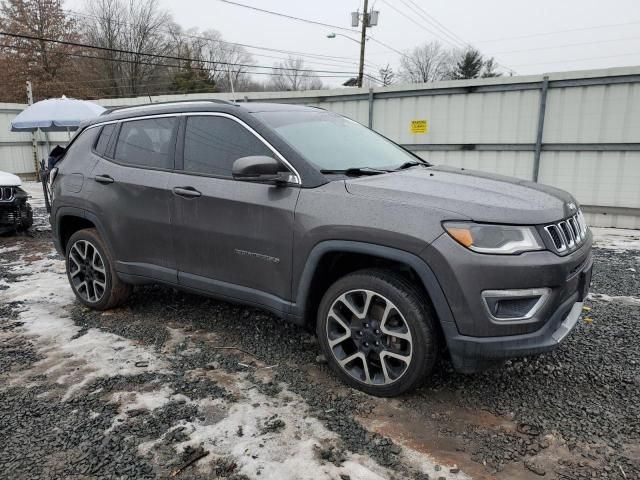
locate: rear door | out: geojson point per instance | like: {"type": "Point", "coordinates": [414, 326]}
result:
{"type": "Point", "coordinates": [232, 237]}
{"type": "Point", "coordinates": [130, 195]}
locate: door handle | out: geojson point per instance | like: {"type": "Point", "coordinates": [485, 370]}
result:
{"type": "Point", "coordinates": [105, 179]}
{"type": "Point", "coordinates": [187, 192]}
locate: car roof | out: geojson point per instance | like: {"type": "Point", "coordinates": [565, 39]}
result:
{"type": "Point", "coordinates": [125, 112]}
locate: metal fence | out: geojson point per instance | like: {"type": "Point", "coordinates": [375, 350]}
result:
{"type": "Point", "coordinates": [579, 131]}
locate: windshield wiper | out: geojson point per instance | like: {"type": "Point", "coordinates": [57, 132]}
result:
{"type": "Point", "coordinates": [356, 171]}
{"type": "Point", "coordinates": [411, 164]}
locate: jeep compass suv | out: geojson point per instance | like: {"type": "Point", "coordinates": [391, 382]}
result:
{"type": "Point", "coordinates": [328, 224]}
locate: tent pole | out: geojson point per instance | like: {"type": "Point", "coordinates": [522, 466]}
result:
{"type": "Point", "coordinates": [34, 140]}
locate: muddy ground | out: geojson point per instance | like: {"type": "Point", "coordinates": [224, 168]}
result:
{"type": "Point", "coordinates": [176, 385]}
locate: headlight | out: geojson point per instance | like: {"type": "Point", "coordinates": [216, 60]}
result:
{"type": "Point", "coordinates": [500, 239]}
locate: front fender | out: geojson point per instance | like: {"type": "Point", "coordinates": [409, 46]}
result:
{"type": "Point", "coordinates": [422, 269]}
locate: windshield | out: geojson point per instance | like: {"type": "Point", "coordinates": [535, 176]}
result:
{"type": "Point", "coordinates": [332, 142]}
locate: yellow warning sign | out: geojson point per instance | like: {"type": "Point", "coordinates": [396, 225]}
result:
{"type": "Point", "coordinates": [419, 126]}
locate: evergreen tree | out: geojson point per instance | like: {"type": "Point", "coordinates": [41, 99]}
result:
{"type": "Point", "coordinates": [469, 66]}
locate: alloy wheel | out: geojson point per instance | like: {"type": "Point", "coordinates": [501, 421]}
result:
{"type": "Point", "coordinates": [369, 337]}
{"type": "Point", "coordinates": [87, 271]}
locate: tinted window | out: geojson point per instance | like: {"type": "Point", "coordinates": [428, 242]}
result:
{"type": "Point", "coordinates": [212, 144]}
{"type": "Point", "coordinates": [103, 139]}
{"type": "Point", "coordinates": [146, 143]}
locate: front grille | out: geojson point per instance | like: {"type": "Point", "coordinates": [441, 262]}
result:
{"type": "Point", "coordinates": [9, 216]}
{"type": "Point", "coordinates": [568, 234]}
{"type": "Point", "coordinates": [7, 194]}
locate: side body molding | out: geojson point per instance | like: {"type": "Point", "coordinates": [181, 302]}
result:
{"type": "Point", "coordinates": [428, 278]}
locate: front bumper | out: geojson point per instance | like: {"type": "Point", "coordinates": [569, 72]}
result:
{"type": "Point", "coordinates": [474, 339]}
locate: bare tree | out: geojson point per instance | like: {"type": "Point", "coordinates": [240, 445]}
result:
{"type": "Point", "coordinates": [291, 75]}
{"type": "Point", "coordinates": [427, 63]}
{"type": "Point", "coordinates": [225, 61]}
{"type": "Point", "coordinates": [137, 26]}
{"type": "Point", "coordinates": [386, 75]}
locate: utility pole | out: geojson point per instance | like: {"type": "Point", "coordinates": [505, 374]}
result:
{"type": "Point", "coordinates": [34, 141]}
{"type": "Point", "coordinates": [369, 19]}
{"type": "Point", "coordinates": [363, 41]}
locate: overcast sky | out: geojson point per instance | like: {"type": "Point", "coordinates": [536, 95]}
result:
{"type": "Point", "coordinates": [609, 34]}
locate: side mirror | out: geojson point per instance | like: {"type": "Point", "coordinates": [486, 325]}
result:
{"type": "Point", "coordinates": [259, 168]}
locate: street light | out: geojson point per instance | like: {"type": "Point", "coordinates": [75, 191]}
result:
{"type": "Point", "coordinates": [358, 80]}
{"type": "Point", "coordinates": [334, 35]}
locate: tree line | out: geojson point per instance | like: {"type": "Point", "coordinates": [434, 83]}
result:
{"type": "Point", "coordinates": [141, 50]}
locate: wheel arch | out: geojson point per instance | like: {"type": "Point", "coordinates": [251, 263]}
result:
{"type": "Point", "coordinates": [322, 269]}
{"type": "Point", "coordinates": [69, 220]}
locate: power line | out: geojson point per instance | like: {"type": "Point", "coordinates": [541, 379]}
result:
{"type": "Point", "coordinates": [336, 58]}
{"type": "Point", "coordinates": [412, 20]}
{"type": "Point", "coordinates": [277, 71]}
{"type": "Point", "coordinates": [306, 20]}
{"type": "Point", "coordinates": [290, 17]}
{"type": "Point", "coordinates": [555, 32]}
{"type": "Point", "coordinates": [573, 60]}
{"type": "Point", "coordinates": [570, 45]}
{"type": "Point", "coordinates": [143, 62]}
{"type": "Point", "coordinates": [434, 21]}
{"type": "Point", "coordinates": [165, 57]}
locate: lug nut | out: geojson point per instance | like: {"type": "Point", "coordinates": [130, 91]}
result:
{"type": "Point", "coordinates": [377, 344]}
{"type": "Point", "coordinates": [366, 344]}
{"type": "Point", "coordinates": [360, 333]}
{"type": "Point", "coordinates": [366, 325]}
{"type": "Point", "coordinates": [377, 331]}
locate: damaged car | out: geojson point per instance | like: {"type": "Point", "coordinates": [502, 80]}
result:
{"type": "Point", "coordinates": [15, 211]}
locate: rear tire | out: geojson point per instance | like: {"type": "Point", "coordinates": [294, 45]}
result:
{"type": "Point", "coordinates": [377, 332]}
{"type": "Point", "coordinates": [91, 273]}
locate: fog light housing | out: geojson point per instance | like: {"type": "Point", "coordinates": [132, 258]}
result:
{"type": "Point", "coordinates": [514, 305]}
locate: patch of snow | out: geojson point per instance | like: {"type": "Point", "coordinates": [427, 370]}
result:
{"type": "Point", "coordinates": [9, 249]}
{"type": "Point", "coordinates": [601, 297]}
{"type": "Point", "coordinates": [34, 189]}
{"type": "Point", "coordinates": [44, 290]}
{"type": "Point", "coordinates": [289, 452]}
{"type": "Point", "coordinates": [616, 238]}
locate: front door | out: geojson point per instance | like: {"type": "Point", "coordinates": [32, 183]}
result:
{"type": "Point", "coordinates": [232, 238]}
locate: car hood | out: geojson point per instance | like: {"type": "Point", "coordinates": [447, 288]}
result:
{"type": "Point", "coordinates": [479, 196]}
{"type": "Point", "coordinates": [9, 180]}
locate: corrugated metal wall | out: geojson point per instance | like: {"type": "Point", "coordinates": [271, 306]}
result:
{"type": "Point", "coordinates": [590, 141]}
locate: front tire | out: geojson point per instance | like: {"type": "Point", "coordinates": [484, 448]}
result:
{"type": "Point", "coordinates": [91, 274]}
{"type": "Point", "coordinates": [377, 332]}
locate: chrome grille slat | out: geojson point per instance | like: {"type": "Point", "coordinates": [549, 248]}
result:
{"type": "Point", "coordinates": [6, 194]}
{"type": "Point", "coordinates": [568, 234]}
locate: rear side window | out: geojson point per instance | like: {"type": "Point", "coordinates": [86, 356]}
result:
{"type": "Point", "coordinates": [146, 143]}
{"type": "Point", "coordinates": [103, 139]}
{"type": "Point", "coordinates": [212, 144]}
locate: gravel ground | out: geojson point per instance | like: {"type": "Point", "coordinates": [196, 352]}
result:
{"type": "Point", "coordinates": [176, 384]}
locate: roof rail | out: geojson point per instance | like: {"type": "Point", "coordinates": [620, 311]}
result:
{"type": "Point", "coordinates": [141, 106]}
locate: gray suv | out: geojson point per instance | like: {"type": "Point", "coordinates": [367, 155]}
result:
{"type": "Point", "coordinates": [328, 224]}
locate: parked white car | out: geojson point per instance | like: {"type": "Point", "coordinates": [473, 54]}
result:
{"type": "Point", "coordinates": [15, 211]}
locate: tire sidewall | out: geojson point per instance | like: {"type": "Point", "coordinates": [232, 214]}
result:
{"type": "Point", "coordinates": [92, 237]}
{"type": "Point", "coordinates": [415, 315]}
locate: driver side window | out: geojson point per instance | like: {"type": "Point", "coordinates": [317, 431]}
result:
{"type": "Point", "coordinates": [212, 144]}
